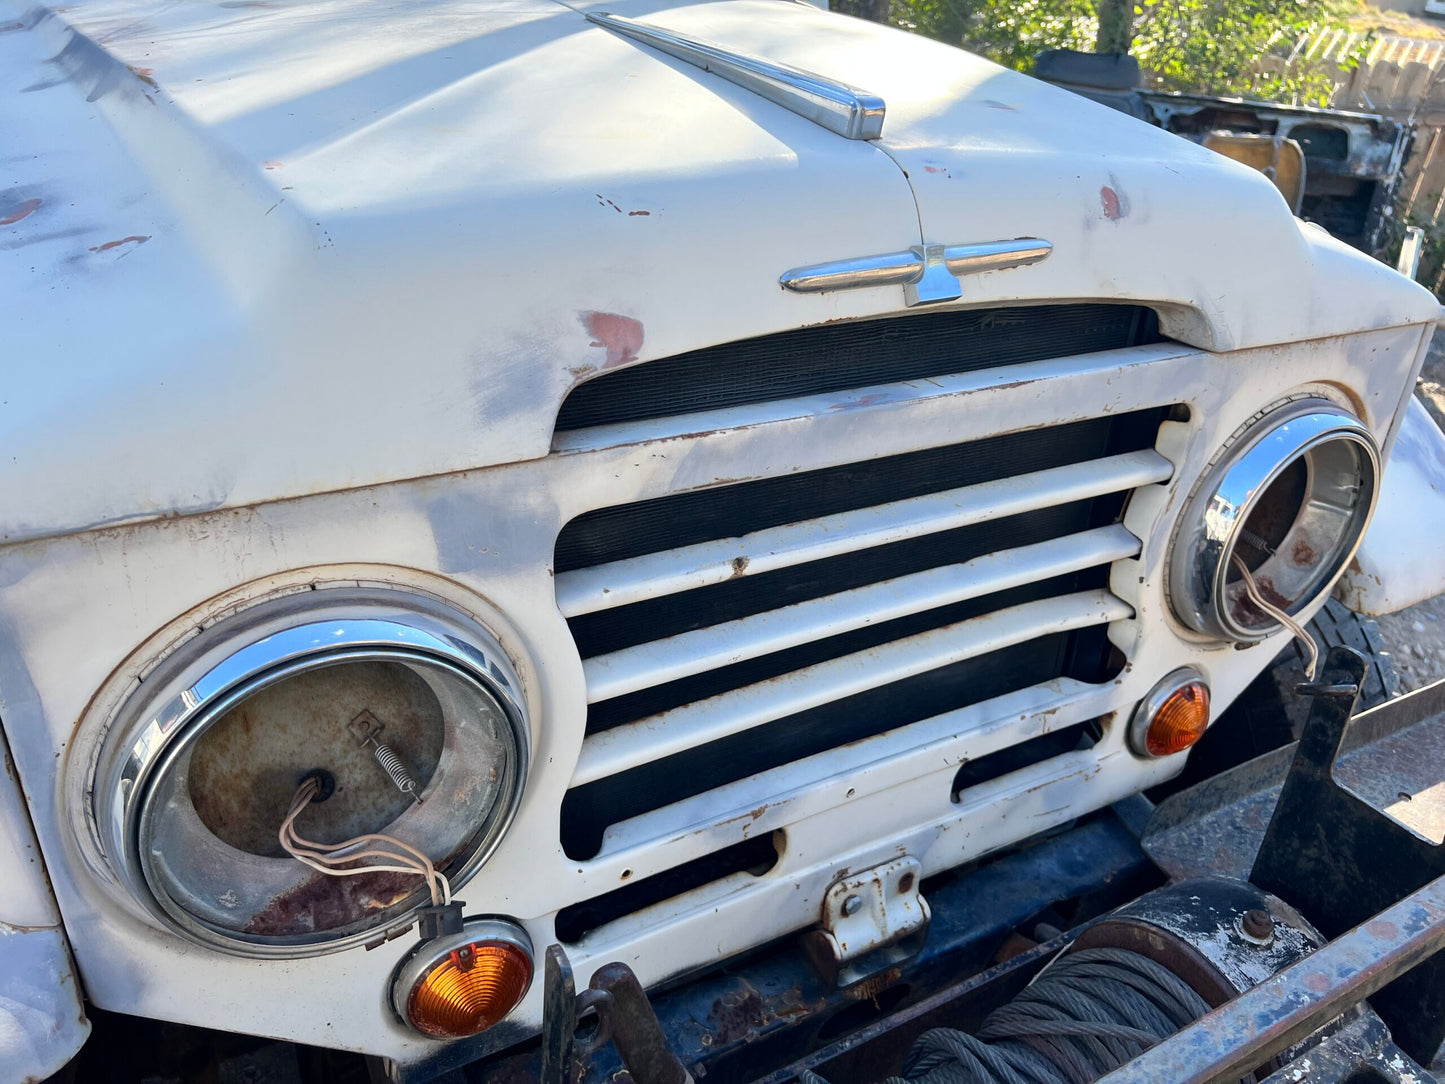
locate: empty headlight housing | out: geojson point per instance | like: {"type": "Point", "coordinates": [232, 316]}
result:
{"type": "Point", "coordinates": [202, 761]}
{"type": "Point", "coordinates": [1290, 496]}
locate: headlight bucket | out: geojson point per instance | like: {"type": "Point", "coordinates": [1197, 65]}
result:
{"type": "Point", "coordinates": [1291, 496]}
{"type": "Point", "coordinates": [200, 761]}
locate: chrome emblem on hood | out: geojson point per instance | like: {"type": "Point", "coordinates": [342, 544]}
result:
{"type": "Point", "coordinates": [927, 273]}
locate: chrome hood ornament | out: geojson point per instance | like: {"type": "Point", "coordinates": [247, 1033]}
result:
{"type": "Point", "coordinates": [927, 273]}
{"type": "Point", "coordinates": [838, 107]}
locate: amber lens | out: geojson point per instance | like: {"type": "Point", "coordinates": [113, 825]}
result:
{"type": "Point", "coordinates": [1180, 720]}
{"type": "Point", "coordinates": [469, 989]}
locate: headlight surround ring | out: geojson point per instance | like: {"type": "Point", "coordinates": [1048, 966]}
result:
{"type": "Point", "coordinates": [1292, 495]}
{"type": "Point", "coordinates": [146, 816]}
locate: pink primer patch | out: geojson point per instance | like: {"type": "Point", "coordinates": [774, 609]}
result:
{"type": "Point", "coordinates": [1114, 207]}
{"type": "Point", "coordinates": [620, 335]}
{"type": "Point", "coordinates": [272, 163]}
{"type": "Point", "coordinates": [20, 210]}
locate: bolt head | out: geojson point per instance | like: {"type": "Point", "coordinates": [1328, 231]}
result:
{"type": "Point", "coordinates": [852, 905]}
{"type": "Point", "coordinates": [1257, 923]}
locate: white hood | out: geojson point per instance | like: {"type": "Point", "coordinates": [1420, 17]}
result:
{"type": "Point", "coordinates": [264, 248]}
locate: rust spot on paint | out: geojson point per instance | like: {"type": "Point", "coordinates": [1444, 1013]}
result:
{"type": "Point", "coordinates": [144, 75]}
{"type": "Point", "coordinates": [620, 335]}
{"type": "Point", "coordinates": [273, 163]}
{"type": "Point", "coordinates": [11, 26]}
{"type": "Point", "coordinates": [16, 211]}
{"type": "Point", "coordinates": [1302, 553]}
{"type": "Point", "coordinates": [1114, 207]}
{"type": "Point", "coordinates": [635, 214]}
{"type": "Point", "coordinates": [134, 238]}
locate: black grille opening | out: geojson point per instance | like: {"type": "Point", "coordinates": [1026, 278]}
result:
{"type": "Point", "coordinates": [985, 769]}
{"type": "Point", "coordinates": [755, 856]}
{"type": "Point", "coordinates": [711, 514]}
{"type": "Point", "coordinates": [837, 357]}
{"type": "Point", "coordinates": [728, 510]}
{"type": "Point", "coordinates": [588, 810]}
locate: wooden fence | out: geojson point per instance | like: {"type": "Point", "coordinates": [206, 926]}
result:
{"type": "Point", "coordinates": [1402, 78]}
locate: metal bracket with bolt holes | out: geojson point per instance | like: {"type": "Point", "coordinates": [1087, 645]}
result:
{"type": "Point", "coordinates": [1341, 861]}
{"type": "Point", "coordinates": [872, 920]}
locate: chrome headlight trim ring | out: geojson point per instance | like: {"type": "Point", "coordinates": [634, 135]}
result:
{"type": "Point", "coordinates": [1337, 465]}
{"type": "Point", "coordinates": [292, 636]}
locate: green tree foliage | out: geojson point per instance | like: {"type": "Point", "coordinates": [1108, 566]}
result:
{"type": "Point", "coordinates": [1238, 47]}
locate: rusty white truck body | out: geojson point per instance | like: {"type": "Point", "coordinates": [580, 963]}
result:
{"type": "Point", "coordinates": [293, 293]}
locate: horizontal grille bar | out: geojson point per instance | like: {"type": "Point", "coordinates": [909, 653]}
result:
{"type": "Point", "coordinates": [656, 662]}
{"type": "Point", "coordinates": [620, 583]}
{"type": "Point", "coordinates": [635, 744]}
{"type": "Point", "coordinates": [856, 354]}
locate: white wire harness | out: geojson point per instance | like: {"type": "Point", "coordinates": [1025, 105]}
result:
{"type": "Point", "coordinates": [1265, 606]}
{"type": "Point", "coordinates": [374, 852]}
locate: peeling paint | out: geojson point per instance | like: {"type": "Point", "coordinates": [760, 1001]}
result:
{"type": "Point", "coordinates": [621, 336]}
{"type": "Point", "coordinates": [9, 215]}
{"type": "Point", "coordinates": [134, 238]}
{"type": "Point", "coordinates": [1115, 205]}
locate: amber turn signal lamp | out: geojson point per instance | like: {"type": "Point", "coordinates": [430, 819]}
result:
{"type": "Point", "coordinates": [1172, 717]}
{"type": "Point", "coordinates": [462, 984]}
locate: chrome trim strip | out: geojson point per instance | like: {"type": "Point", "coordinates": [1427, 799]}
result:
{"type": "Point", "coordinates": [995, 255]}
{"type": "Point", "coordinates": [889, 269]}
{"type": "Point", "coordinates": [909, 268]}
{"type": "Point", "coordinates": [838, 107]}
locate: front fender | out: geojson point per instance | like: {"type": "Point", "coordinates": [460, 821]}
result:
{"type": "Point", "coordinates": [1400, 561]}
{"type": "Point", "coordinates": [42, 1020]}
